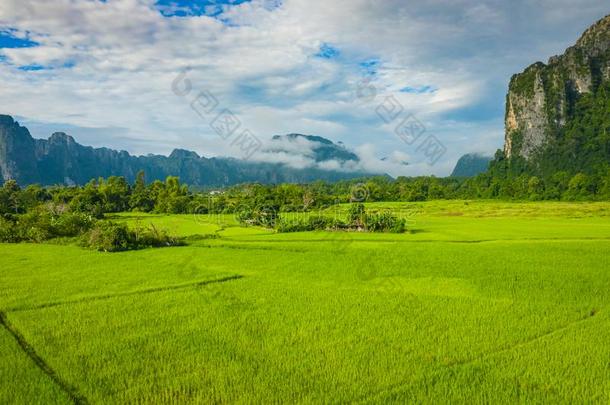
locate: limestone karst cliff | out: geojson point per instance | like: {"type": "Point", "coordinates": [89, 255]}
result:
{"type": "Point", "coordinates": [547, 102]}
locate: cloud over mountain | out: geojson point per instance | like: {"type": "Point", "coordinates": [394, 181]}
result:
{"type": "Point", "coordinates": [292, 66]}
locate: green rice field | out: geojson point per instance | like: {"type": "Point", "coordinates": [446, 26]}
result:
{"type": "Point", "coordinates": [479, 302]}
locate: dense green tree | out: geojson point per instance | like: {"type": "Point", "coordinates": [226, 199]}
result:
{"type": "Point", "coordinates": [115, 194]}
{"type": "Point", "coordinates": [11, 199]}
{"type": "Point", "coordinates": [172, 197]}
{"type": "Point", "coordinates": [604, 186]}
{"type": "Point", "coordinates": [141, 199]}
{"type": "Point", "coordinates": [535, 188]}
{"type": "Point", "coordinates": [89, 200]}
{"type": "Point", "coordinates": [579, 187]}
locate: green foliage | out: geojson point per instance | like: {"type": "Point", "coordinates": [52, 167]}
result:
{"type": "Point", "coordinates": [357, 220]}
{"type": "Point", "coordinates": [140, 199]}
{"type": "Point", "coordinates": [89, 200]}
{"type": "Point", "coordinates": [8, 231]}
{"type": "Point", "coordinates": [321, 222]}
{"type": "Point", "coordinates": [246, 216]}
{"type": "Point", "coordinates": [43, 223]}
{"type": "Point", "coordinates": [286, 225]}
{"type": "Point", "coordinates": [71, 224]}
{"type": "Point", "coordinates": [115, 194]}
{"type": "Point", "coordinates": [310, 223]}
{"type": "Point", "coordinates": [265, 215]}
{"type": "Point", "coordinates": [11, 198]}
{"type": "Point", "coordinates": [356, 215]}
{"type": "Point", "coordinates": [108, 236]}
{"type": "Point", "coordinates": [260, 205]}
{"type": "Point", "coordinates": [524, 83]}
{"type": "Point", "coordinates": [171, 197]}
{"type": "Point", "coordinates": [583, 144]}
{"type": "Point", "coordinates": [385, 222]}
{"type": "Point", "coordinates": [579, 187]}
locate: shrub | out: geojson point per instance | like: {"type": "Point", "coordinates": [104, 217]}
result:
{"type": "Point", "coordinates": [319, 222]}
{"type": "Point", "coordinates": [336, 224]}
{"type": "Point", "coordinates": [313, 223]}
{"type": "Point", "coordinates": [8, 231]}
{"type": "Point", "coordinates": [265, 215]}
{"type": "Point", "coordinates": [35, 226]}
{"type": "Point", "coordinates": [285, 225]}
{"type": "Point", "coordinates": [43, 224]}
{"type": "Point", "coordinates": [153, 237]}
{"type": "Point", "coordinates": [385, 222]}
{"type": "Point", "coordinates": [72, 224]}
{"type": "Point", "coordinates": [356, 215]}
{"type": "Point", "coordinates": [108, 237]}
{"type": "Point", "coordinates": [245, 216]}
{"type": "Point", "coordinates": [291, 208]}
{"type": "Point", "coordinates": [89, 201]}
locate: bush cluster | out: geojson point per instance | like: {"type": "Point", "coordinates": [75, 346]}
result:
{"type": "Point", "coordinates": [312, 223]}
{"type": "Point", "coordinates": [107, 236]}
{"type": "Point", "coordinates": [43, 224]}
{"type": "Point", "coordinates": [264, 215]}
{"type": "Point", "coordinates": [49, 221]}
{"type": "Point", "coordinates": [384, 222]}
{"type": "Point", "coordinates": [357, 219]}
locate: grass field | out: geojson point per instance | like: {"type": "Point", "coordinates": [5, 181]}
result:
{"type": "Point", "coordinates": [483, 302]}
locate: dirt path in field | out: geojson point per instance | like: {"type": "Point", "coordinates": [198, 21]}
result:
{"type": "Point", "coordinates": [126, 294]}
{"type": "Point", "coordinates": [396, 388]}
{"type": "Point", "coordinates": [71, 391]}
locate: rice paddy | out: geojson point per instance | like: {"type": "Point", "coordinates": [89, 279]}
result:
{"type": "Point", "coordinates": [478, 302]}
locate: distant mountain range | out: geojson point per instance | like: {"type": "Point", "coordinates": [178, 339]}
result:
{"type": "Point", "coordinates": [470, 165]}
{"type": "Point", "coordinates": [61, 160]}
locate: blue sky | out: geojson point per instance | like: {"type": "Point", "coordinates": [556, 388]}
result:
{"type": "Point", "coordinates": [210, 8]}
{"type": "Point", "coordinates": [11, 39]}
{"type": "Point", "coordinates": [103, 70]}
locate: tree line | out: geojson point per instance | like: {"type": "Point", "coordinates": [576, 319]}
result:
{"type": "Point", "coordinates": [115, 194]}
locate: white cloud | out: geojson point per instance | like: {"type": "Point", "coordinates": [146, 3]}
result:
{"type": "Point", "coordinates": [262, 65]}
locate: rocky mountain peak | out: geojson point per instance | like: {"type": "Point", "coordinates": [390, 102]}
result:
{"type": "Point", "coordinates": [61, 137]}
{"type": "Point", "coordinates": [6, 120]}
{"type": "Point", "coordinates": [471, 164]}
{"type": "Point", "coordinates": [183, 154]}
{"type": "Point", "coordinates": [317, 148]}
{"type": "Point", "coordinates": [311, 138]}
{"type": "Point", "coordinates": [17, 159]}
{"type": "Point", "coordinates": [542, 99]}
{"type": "Point", "coordinates": [595, 38]}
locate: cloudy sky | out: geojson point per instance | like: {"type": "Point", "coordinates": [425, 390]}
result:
{"type": "Point", "coordinates": [123, 73]}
